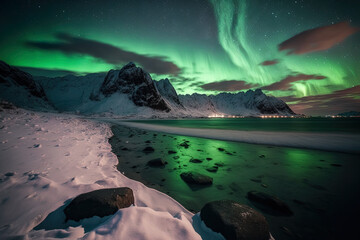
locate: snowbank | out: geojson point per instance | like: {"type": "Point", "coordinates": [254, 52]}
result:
{"type": "Point", "coordinates": [349, 143]}
{"type": "Point", "coordinates": [46, 159]}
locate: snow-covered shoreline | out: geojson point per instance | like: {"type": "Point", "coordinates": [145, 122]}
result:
{"type": "Point", "coordinates": [347, 143]}
{"type": "Point", "coordinates": [49, 158]}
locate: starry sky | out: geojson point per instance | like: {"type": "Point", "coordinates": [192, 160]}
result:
{"type": "Point", "coordinates": [305, 52]}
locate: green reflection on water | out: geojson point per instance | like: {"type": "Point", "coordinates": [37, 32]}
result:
{"type": "Point", "coordinates": [291, 174]}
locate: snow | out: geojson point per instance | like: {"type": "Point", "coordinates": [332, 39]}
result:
{"type": "Point", "coordinates": [348, 143]}
{"type": "Point", "coordinates": [49, 158]}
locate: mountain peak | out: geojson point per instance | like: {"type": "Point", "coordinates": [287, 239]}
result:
{"type": "Point", "coordinates": [129, 65]}
{"type": "Point", "coordinates": [135, 82]}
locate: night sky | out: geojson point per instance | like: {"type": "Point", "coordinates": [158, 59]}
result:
{"type": "Point", "coordinates": [306, 52]}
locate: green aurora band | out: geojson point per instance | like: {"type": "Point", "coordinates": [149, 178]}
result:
{"type": "Point", "coordinates": [235, 55]}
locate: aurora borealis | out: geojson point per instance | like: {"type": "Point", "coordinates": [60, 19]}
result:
{"type": "Point", "coordinates": [201, 46]}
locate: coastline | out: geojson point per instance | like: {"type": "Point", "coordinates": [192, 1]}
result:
{"type": "Point", "coordinates": [333, 142]}
{"type": "Point", "coordinates": [311, 182]}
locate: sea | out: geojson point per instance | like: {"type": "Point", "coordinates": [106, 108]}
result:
{"type": "Point", "coordinates": [321, 188]}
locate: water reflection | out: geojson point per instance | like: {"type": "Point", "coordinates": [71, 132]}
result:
{"type": "Point", "coordinates": [318, 192]}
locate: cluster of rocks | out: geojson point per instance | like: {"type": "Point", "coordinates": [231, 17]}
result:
{"type": "Point", "coordinates": [233, 220]}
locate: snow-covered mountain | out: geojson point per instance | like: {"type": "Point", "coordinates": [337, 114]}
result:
{"type": "Point", "coordinates": [128, 92]}
{"type": "Point", "coordinates": [20, 88]}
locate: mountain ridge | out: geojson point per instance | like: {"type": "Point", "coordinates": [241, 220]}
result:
{"type": "Point", "coordinates": [131, 92]}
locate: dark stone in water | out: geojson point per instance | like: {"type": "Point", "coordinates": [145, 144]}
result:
{"type": "Point", "coordinates": [148, 150]}
{"type": "Point", "coordinates": [185, 145]}
{"type": "Point", "coordinates": [196, 178]}
{"type": "Point", "coordinates": [269, 204]}
{"type": "Point", "coordinates": [221, 149]}
{"type": "Point", "coordinates": [125, 149]}
{"type": "Point", "coordinates": [100, 203]}
{"type": "Point", "coordinates": [154, 135]}
{"type": "Point", "coordinates": [171, 152]}
{"type": "Point", "coordinates": [195, 160]}
{"type": "Point", "coordinates": [229, 153]}
{"type": "Point", "coordinates": [336, 165]}
{"type": "Point", "coordinates": [219, 164]}
{"type": "Point", "coordinates": [261, 156]}
{"type": "Point", "coordinates": [313, 185]}
{"type": "Point", "coordinates": [212, 169]}
{"type": "Point", "coordinates": [255, 180]}
{"type": "Point", "coordinates": [209, 159]}
{"type": "Point", "coordinates": [148, 141]}
{"type": "Point", "coordinates": [235, 221]}
{"type": "Point", "coordinates": [157, 162]}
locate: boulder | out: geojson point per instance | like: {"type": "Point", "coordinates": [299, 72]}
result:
{"type": "Point", "coordinates": [157, 162]}
{"type": "Point", "coordinates": [196, 178]}
{"type": "Point", "coordinates": [195, 160]}
{"type": "Point", "coordinates": [148, 150]}
{"type": "Point", "coordinates": [235, 221]}
{"type": "Point", "coordinates": [100, 203]}
{"type": "Point", "coordinates": [269, 204]}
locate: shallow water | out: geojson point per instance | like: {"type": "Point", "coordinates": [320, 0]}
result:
{"type": "Point", "coordinates": [326, 125]}
{"type": "Point", "coordinates": [323, 197]}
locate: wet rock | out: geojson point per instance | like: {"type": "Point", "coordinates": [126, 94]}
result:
{"type": "Point", "coordinates": [255, 180]}
{"type": "Point", "coordinates": [171, 152]}
{"type": "Point", "coordinates": [157, 162]}
{"type": "Point", "coordinates": [221, 149]}
{"type": "Point", "coordinates": [212, 169]}
{"type": "Point", "coordinates": [148, 150]}
{"type": "Point", "coordinates": [336, 165]}
{"type": "Point", "coordinates": [235, 221]}
{"type": "Point", "coordinates": [269, 204]}
{"type": "Point", "coordinates": [195, 160]}
{"type": "Point", "coordinates": [185, 145]}
{"type": "Point", "coordinates": [219, 164]}
{"type": "Point", "coordinates": [100, 203]}
{"type": "Point", "coordinates": [196, 178]}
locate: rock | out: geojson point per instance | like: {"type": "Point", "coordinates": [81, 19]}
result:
{"type": "Point", "coordinates": [269, 204]}
{"type": "Point", "coordinates": [255, 180]}
{"type": "Point", "coordinates": [100, 203]}
{"type": "Point", "coordinates": [209, 159]}
{"type": "Point", "coordinates": [185, 145]}
{"type": "Point", "coordinates": [196, 178]}
{"type": "Point", "coordinates": [221, 149]}
{"type": "Point", "coordinates": [336, 165]}
{"type": "Point", "coordinates": [148, 150]}
{"type": "Point", "coordinates": [195, 160]}
{"type": "Point", "coordinates": [212, 169]}
{"type": "Point", "coordinates": [262, 156]}
{"type": "Point", "coordinates": [171, 152]}
{"type": "Point", "coordinates": [125, 149]}
{"type": "Point", "coordinates": [157, 162]}
{"type": "Point", "coordinates": [219, 164]}
{"type": "Point", "coordinates": [148, 141]}
{"type": "Point", "coordinates": [235, 221]}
